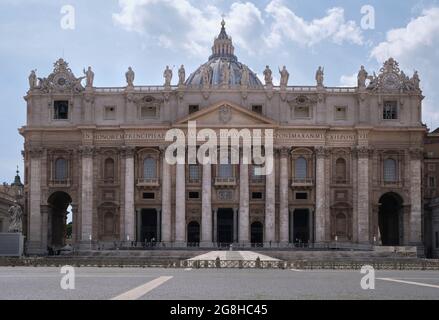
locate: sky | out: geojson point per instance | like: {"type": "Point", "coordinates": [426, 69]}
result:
{"type": "Point", "coordinates": [111, 35]}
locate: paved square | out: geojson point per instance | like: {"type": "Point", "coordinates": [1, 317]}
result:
{"type": "Point", "coordinates": [214, 284]}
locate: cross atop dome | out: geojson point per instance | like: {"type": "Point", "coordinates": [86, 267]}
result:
{"type": "Point", "coordinates": [223, 45]}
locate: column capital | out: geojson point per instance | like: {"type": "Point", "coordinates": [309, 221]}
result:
{"type": "Point", "coordinates": [322, 152]}
{"type": "Point", "coordinates": [416, 153]}
{"type": "Point", "coordinates": [362, 151]}
{"type": "Point", "coordinates": [87, 151]}
{"type": "Point", "coordinates": [35, 152]}
{"type": "Point", "coordinates": [127, 152]}
{"type": "Point", "coordinates": [284, 152]}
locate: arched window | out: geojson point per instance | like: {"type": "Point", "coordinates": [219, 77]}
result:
{"type": "Point", "coordinates": [341, 225]}
{"type": "Point", "coordinates": [390, 170]}
{"type": "Point", "coordinates": [150, 168]}
{"type": "Point", "coordinates": [61, 169]}
{"type": "Point", "coordinates": [301, 168]}
{"type": "Point", "coordinates": [340, 170]}
{"type": "Point", "coordinates": [109, 169]}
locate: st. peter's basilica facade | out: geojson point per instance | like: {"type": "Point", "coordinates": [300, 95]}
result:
{"type": "Point", "coordinates": [348, 161]}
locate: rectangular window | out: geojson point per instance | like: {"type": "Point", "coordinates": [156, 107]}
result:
{"type": "Point", "coordinates": [149, 195]}
{"type": "Point", "coordinates": [432, 182]}
{"type": "Point", "coordinates": [301, 196]}
{"type": "Point", "coordinates": [61, 110]}
{"type": "Point", "coordinates": [340, 113]}
{"type": "Point", "coordinates": [257, 109]}
{"type": "Point", "coordinates": [193, 108]}
{"type": "Point", "coordinates": [437, 240]}
{"type": "Point", "coordinates": [257, 196]}
{"type": "Point", "coordinates": [148, 112]}
{"type": "Point", "coordinates": [390, 110]}
{"type": "Point", "coordinates": [110, 113]}
{"type": "Point", "coordinates": [194, 173]}
{"type": "Point", "coordinates": [301, 112]}
{"type": "Point", "coordinates": [194, 195]}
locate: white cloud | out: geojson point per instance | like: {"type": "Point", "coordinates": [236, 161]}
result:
{"type": "Point", "coordinates": [416, 47]}
{"type": "Point", "coordinates": [287, 25]}
{"type": "Point", "coordinates": [419, 33]}
{"type": "Point", "coordinates": [349, 81]}
{"type": "Point", "coordinates": [187, 26]}
{"type": "Point", "coordinates": [191, 26]}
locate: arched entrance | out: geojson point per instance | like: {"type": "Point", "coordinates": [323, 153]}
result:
{"type": "Point", "coordinates": [257, 233]}
{"type": "Point", "coordinates": [193, 233]}
{"type": "Point", "coordinates": [390, 219]}
{"type": "Point", "coordinates": [58, 203]}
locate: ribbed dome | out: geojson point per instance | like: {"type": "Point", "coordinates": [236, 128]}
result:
{"type": "Point", "coordinates": [223, 57]}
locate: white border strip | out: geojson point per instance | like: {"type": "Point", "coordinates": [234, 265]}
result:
{"type": "Point", "coordinates": [139, 292]}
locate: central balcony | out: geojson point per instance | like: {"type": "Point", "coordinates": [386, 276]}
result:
{"type": "Point", "coordinates": [148, 183]}
{"type": "Point", "coordinates": [225, 182]}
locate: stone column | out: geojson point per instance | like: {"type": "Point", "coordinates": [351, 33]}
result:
{"type": "Point", "coordinates": [416, 197]}
{"type": "Point", "coordinates": [159, 224]}
{"type": "Point", "coordinates": [206, 214]}
{"type": "Point", "coordinates": [215, 225]}
{"type": "Point", "coordinates": [283, 195]}
{"type": "Point", "coordinates": [244, 199]}
{"type": "Point", "coordinates": [320, 211]}
{"type": "Point", "coordinates": [139, 226]}
{"type": "Point", "coordinates": [235, 225]}
{"type": "Point", "coordinates": [34, 243]}
{"type": "Point", "coordinates": [87, 153]}
{"type": "Point", "coordinates": [180, 205]}
{"type": "Point", "coordinates": [166, 201]}
{"type": "Point", "coordinates": [363, 194]}
{"type": "Point", "coordinates": [129, 211]}
{"type": "Point", "coordinates": [270, 205]}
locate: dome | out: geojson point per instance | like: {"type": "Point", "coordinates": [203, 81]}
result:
{"type": "Point", "coordinates": [221, 63]}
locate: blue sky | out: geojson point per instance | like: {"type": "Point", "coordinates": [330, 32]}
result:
{"type": "Point", "coordinates": [111, 35]}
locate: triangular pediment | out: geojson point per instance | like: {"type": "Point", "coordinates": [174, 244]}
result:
{"type": "Point", "coordinates": [226, 114]}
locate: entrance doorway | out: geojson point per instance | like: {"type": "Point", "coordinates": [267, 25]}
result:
{"type": "Point", "coordinates": [57, 231]}
{"type": "Point", "coordinates": [301, 228]}
{"type": "Point", "coordinates": [225, 226]}
{"type": "Point", "coordinates": [390, 219]}
{"type": "Point", "coordinates": [149, 225]}
{"type": "Point", "coordinates": [193, 233]}
{"type": "Point", "coordinates": [257, 233]}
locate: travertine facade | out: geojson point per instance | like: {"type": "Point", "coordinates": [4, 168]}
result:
{"type": "Point", "coordinates": [347, 160]}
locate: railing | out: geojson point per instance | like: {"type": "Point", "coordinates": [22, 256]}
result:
{"type": "Point", "coordinates": [397, 183]}
{"type": "Point", "coordinates": [194, 181]}
{"type": "Point", "coordinates": [108, 181]}
{"type": "Point", "coordinates": [219, 87]}
{"type": "Point", "coordinates": [307, 182]}
{"type": "Point", "coordinates": [152, 182]}
{"type": "Point", "coordinates": [225, 181]}
{"type": "Point", "coordinates": [257, 180]}
{"type": "Point", "coordinates": [59, 183]}
{"type": "Point", "coordinates": [341, 181]}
